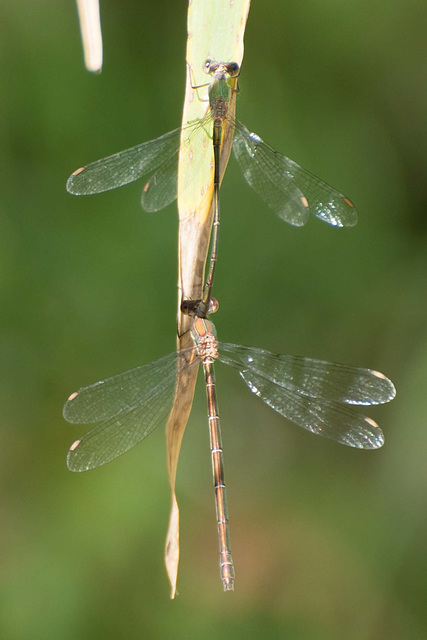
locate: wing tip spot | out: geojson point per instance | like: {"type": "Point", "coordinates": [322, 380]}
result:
{"type": "Point", "coordinates": [304, 201]}
{"type": "Point", "coordinates": [348, 202]}
{"type": "Point", "coordinates": [75, 445]}
{"type": "Point", "coordinates": [372, 423]}
{"type": "Point", "coordinates": [72, 396]}
{"type": "Point", "coordinates": [77, 171]}
{"type": "Point", "coordinates": [378, 374]}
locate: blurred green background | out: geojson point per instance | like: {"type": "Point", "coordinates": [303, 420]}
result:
{"type": "Point", "coordinates": [328, 542]}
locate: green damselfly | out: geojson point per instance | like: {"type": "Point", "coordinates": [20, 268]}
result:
{"type": "Point", "coordinates": [288, 189]}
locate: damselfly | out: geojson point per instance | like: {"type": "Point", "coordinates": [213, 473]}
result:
{"type": "Point", "coordinates": [291, 191]}
{"type": "Point", "coordinates": [315, 394]}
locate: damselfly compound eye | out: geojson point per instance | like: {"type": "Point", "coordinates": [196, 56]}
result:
{"type": "Point", "coordinates": [213, 305]}
{"type": "Point", "coordinates": [233, 68]}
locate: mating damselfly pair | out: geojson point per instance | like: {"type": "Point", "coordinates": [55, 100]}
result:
{"type": "Point", "coordinates": [315, 394]}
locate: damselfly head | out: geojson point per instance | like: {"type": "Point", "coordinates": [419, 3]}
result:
{"type": "Point", "coordinates": [193, 308]}
{"type": "Point", "coordinates": [189, 307]}
{"type": "Point", "coordinates": [212, 66]}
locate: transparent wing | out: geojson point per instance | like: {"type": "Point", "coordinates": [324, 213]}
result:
{"type": "Point", "coordinates": [310, 377]}
{"type": "Point", "coordinates": [130, 165]}
{"type": "Point", "coordinates": [128, 407]}
{"type": "Point", "coordinates": [161, 188]}
{"type": "Point", "coordinates": [314, 393]}
{"type": "Point", "coordinates": [323, 417]}
{"type": "Point", "coordinates": [286, 187]}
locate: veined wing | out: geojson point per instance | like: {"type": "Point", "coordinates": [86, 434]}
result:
{"type": "Point", "coordinates": [128, 407]}
{"type": "Point", "coordinates": [156, 160]}
{"type": "Point", "coordinates": [310, 377]}
{"type": "Point", "coordinates": [291, 191]}
{"type": "Point", "coordinates": [123, 167]}
{"type": "Point", "coordinates": [313, 393]}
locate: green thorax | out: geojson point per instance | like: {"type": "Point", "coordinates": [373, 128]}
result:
{"type": "Point", "coordinates": [219, 89]}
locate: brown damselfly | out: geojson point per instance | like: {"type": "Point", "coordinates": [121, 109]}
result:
{"type": "Point", "coordinates": [317, 395]}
